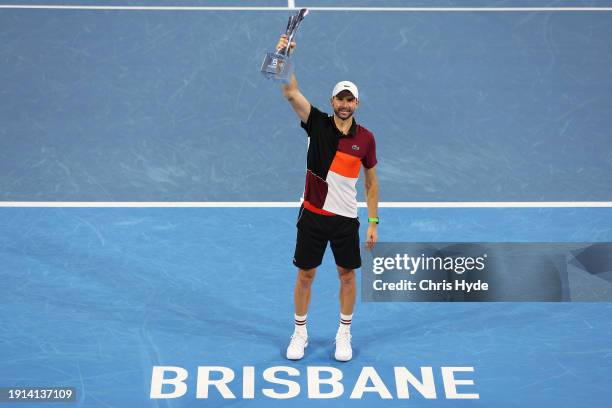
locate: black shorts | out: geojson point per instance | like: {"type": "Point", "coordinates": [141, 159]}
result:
{"type": "Point", "coordinates": [315, 230]}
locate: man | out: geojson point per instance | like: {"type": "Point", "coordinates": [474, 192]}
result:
{"type": "Point", "coordinates": [337, 148]}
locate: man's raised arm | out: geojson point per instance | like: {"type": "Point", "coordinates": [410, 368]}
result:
{"type": "Point", "coordinates": [292, 93]}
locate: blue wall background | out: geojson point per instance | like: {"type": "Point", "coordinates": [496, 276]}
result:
{"type": "Point", "coordinates": [170, 105]}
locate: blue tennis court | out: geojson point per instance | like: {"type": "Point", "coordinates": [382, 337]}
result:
{"type": "Point", "coordinates": [165, 109]}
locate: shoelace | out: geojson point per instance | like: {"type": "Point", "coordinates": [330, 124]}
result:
{"type": "Point", "coordinates": [344, 337]}
{"type": "Point", "coordinates": [298, 336]}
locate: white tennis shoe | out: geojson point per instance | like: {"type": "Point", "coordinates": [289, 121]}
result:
{"type": "Point", "coordinates": [344, 351]}
{"type": "Point", "coordinates": [299, 341]}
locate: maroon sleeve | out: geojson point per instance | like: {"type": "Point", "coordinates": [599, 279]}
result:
{"type": "Point", "coordinates": [369, 159]}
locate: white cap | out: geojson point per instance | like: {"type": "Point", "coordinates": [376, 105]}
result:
{"type": "Point", "coordinates": [346, 86]}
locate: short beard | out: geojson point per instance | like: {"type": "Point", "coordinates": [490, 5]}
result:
{"type": "Point", "coordinates": [337, 113]}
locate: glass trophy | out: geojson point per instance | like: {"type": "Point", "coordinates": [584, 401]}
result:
{"type": "Point", "coordinates": [277, 65]}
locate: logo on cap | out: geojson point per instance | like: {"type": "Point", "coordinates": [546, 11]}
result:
{"type": "Point", "coordinates": [345, 86]}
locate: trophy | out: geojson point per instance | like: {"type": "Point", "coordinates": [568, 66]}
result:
{"type": "Point", "coordinates": [277, 65]}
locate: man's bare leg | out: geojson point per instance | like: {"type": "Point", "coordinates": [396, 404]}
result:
{"type": "Point", "coordinates": [347, 290]}
{"type": "Point", "coordinates": [301, 293]}
{"type": "Point", "coordinates": [301, 299]}
{"type": "Point", "coordinates": [344, 351]}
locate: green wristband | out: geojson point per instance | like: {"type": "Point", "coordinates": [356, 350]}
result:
{"type": "Point", "coordinates": [373, 219]}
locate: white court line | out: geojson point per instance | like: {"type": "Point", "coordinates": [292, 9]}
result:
{"type": "Point", "coordinates": [289, 204]}
{"type": "Point", "coordinates": [256, 8]}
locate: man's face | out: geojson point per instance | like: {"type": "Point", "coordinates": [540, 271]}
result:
{"type": "Point", "coordinates": [344, 105]}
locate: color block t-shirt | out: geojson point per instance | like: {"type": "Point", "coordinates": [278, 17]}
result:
{"type": "Point", "coordinates": [334, 163]}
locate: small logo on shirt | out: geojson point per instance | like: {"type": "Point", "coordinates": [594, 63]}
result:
{"type": "Point", "coordinates": [355, 147]}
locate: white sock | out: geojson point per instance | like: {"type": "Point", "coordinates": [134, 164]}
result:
{"type": "Point", "coordinates": [300, 324]}
{"type": "Point", "coordinates": [345, 323]}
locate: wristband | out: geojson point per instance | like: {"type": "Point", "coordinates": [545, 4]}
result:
{"type": "Point", "coordinates": [373, 219]}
